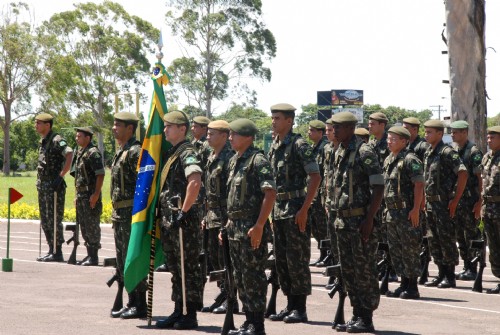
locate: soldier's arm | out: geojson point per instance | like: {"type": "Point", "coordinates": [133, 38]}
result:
{"type": "Point", "coordinates": [418, 196]}
{"type": "Point", "coordinates": [98, 186]}
{"type": "Point", "coordinates": [67, 163]}
{"type": "Point", "coordinates": [255, 233]}
{"type": "Point", "coordinates": [192, 190]}
{"type": "Point", "coordinates": [461, 182]}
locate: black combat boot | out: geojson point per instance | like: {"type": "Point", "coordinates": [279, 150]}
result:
{"type": "Point", "coordinates": [244, 326]}
{"type": "Point", "coordinates": [364, 323]}
{"type": "Point", "coordinates": [435, 282]}
{"type": "Point", "coordinates": [495, 290]}
{"type": "Point", "coordinates": [256, 327]}
{"type": "Point", "coordinates": [219, 299]}
{"type": "Point", "coordinates": [298, 314]}
{"type": "Point", "coordinates": [322, 255]}
{"type": "Point", "coordinates": [131, 302]}
{"type": "Point", "coordinates": [140, 308]}
{"type": "Point", "coordinates": [342, 327]}
{"type": "Point", "coordinates": [449, 279]}
{"type": "Point", "coordinates": [50, 252]}
{"type": "Point", "coordinates": [331, 283]}
{"type": "Point", "coordinates": [188, 321]}
{"type": "Point", "coordinates": [469, 273]}
{"type": "Point", "coordinates": [327, 261]}
{"type": "Point", "coordinates": [411, 292]}
{"type": "Point", "coordinates": [93, 259]}
{"type": "Point", "coordinates": [163, 268]}
{"type": "Point", "coordinates": [285, 312]}
{"type": "Point", "coordinates": [222, 309]}
{"type": "Point", "coordinates": [55, 257]}
{"type": "Point", "coordinates": [397, 292]}
{"type": "Point", "coordinates": [170, 320]}
{"type": "Point", "coordinates": [85, 258]}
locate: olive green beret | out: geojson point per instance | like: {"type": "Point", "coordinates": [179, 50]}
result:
{"type": "Point", "coordinates": [86, 130]}
{"type": "Point", "coordinates": [201, 120]}
{"type": "Point", "coordinates": [126, 117]}
{"type": "Point", "coordinates": [284, 108]}
{"type": "Point", "coordinates": [329, 121]}
{"type": "Point", "coordinates": [317, 124]}
{"type": "Point", "coordinates": [460, 124]}
{"type": "Point", "coordinates": [412, 120]}
{"type": "Point", "coordinates": [378, 116]}
{"type": "Point", "coordinates": [344, 117]}
{"type": "Point", "coordinates": [361, 132]}
{"type": "Point", "coordinates": [494, 130]}
{"type": "Point", "coordinates": [176, 117]}
{"type": "Point", "coordinates": [45, 117]}
{"type": "Point", "coordinates": [244, 127]}
{"type": "Point", "coordinates": [401, 131]}
{"type": "Point", "coordinates": [434, 124]}
{"type": "Point", "coordinates": [222, 125]}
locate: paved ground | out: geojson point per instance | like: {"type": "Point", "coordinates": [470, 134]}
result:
{"type": "Point", "coordinates": [48, 298]}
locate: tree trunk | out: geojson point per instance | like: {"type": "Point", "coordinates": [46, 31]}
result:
{"type": "Point", "coordinates": [6, 139]}
{"type": "Point", "coordinates": [465, 22]}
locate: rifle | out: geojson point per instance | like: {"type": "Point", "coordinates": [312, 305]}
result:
{"type": "Point", "coordinates": [480, 247]}
{"type": "Point", "coordinates": [385, 262]}
{"type": "Point", "coordinates": [275, 284]}
{"type": "Point", "coordinates": [227, 275]}
{"type": "Point", "coordinates": [202, 258]}
{"type": "Point", "coordinates": [335, 271]}
{"type": "Point", "coordinates": [425, 258]}
{"type": "Point", "coordinates": [75, 239]}
{"type": "Point", "coordinates": [118, 304]}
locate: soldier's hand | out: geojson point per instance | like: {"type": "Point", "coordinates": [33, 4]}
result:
{"type": "Point", "coordinates": [56, 183]}
{"type": "Point", "coordinates": [477, 209]}
{"type": "Point", "coordinates": [414, 216]}
{"type": "Point", "coordinates": [301, 219]}
{"type": "Point", "coordinates": [179, 220]}
{"type": "Point", "coordinates": [452, 206]}
{"type": "Point", "coordinates": [255, 234]}
{"type": "Point", "coordinates": [93, 200]}
{"type": "Point", "coordinates": [366, 229]}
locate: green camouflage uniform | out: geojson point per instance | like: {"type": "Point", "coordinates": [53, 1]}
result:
{"type": "Point", "coordinates": [317, 215]}
{"type": "Point", "coordinates": [491, 207]}
{"type": "Point", "coordinates": [441, 166]}
{"type": "Point", "coordinates": [51, 159]}
{"type": "Point", "coordinates": [175, 185]}
{"type": "Point", "coordinates": [351, 199]}
{"type": "Point", "coordinates": [249, 176]}
{"type": "Point", "coordinates": [466, 225]}
{"type": "Point", "coordinates": [419, 146]}
{"type": "Point", "coordinates": [86, 166]}
{"type": "Point", "coordinates": [400, 175]}
{"type": "Point", "coordinates": [292, 160]}
{"type": "Point", "coordinates": [329, 170]}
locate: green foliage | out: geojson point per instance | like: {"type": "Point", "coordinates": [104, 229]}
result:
{"type": "Point", "coordinates": [397, 114]}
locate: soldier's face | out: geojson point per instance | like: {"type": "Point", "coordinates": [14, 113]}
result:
{"type": "Point", "coordinates": [216, 138]}
{"type": "Point", "coordinates": [174, 132]}
{"type": "Point", "coordinates": [41, 127]}
{"type": "Point", "coordinates": [493, 141]}
{"type": "Point", "coordinates": [396, 143]}
{"type": "Point", "coordinates": [459, 135]}
{"type": "Point", "coordinates": [82, 139]}
{"type": "Point", "coordinates": [197, 130]}
{"type": "Point", "coordinates": [433, 136]}
{"type": "Point", "coordinates": [412, 129]}
{"type": "Point", "coordinates": [314, 134]}
{"type": "Point", "coordinates": [330, 132]}
{"type": "Point", "coordinates": [119, 130]}
{"type": "Point", "coordinates": [239, 142]}
{"type": "Point", "coordinates": [376, 127]}
{"type": "Point", "coordinates": [281, 123]}
{"type": "Point", "coordinates": [343, 132]}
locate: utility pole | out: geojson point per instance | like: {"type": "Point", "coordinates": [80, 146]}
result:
{"type": "Point", "coordinates": [439, 108]}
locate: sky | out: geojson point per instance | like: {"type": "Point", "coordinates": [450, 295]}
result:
{"type": "Point", "coordinates": [390, 49]}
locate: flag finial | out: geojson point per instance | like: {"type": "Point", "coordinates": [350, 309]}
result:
{"type": "Point", "coordinates": [159, 54]}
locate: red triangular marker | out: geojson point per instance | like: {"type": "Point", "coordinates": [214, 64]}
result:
{"type": "Point", "coordinates": [14, 195]}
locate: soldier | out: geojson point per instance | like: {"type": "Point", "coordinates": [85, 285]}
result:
{"type": "Point", "coordinates": [123, 179]}
{"type": "Point", "coordinates": [54, 161]}
{"type": "Point", "coordinates": [180, 184]}
{"type": "Point", "coordinates": [88, 170]}
{"type": "Point", "coordinates": [251, 195]}
{"type": "Point", "coordinates": [491, 202]}
{"type": "Point", "coordinates": [363, 134]}
{"type": "Point", "coordinates": [403, 194]}
{"type": "Point", "coordinates": [469, 207]}
{"type": "Point", "coordinates": [359, 186]}
{"type": "Point", "coordinates": [417, 144]}
{"type": "Point", "coordinates": [216, 173]}
{"type": "Point", "coordinates": [317, 215]}
{"type": "Point", "coordinates": [376, 126]}
{"type": "Point", "coordinates": [445, 179]}
{"type": "Point", "coordinates": [292, 161]}
{"type": "Point", "coordinates": [199, 129]}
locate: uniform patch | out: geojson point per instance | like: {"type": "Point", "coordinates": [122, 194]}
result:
{"type": "Point", "coordinates": [264, 170]}
{"type": "Point", "coordinates": [62, 143]}
{"type": "Point", "coordinates": [191, 160]}
{"type": "Point", "coordinates": [477, 158]}
{"type": "Point", "coordinates": [308, 153]}
{"type": "Point", "coordinates": [368, 161]}
{"type": "Point", "coordinates": [455, 156]}
{"type": "Point", "coordinates": [415, 166]}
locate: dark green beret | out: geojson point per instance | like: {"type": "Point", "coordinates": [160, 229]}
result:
{"type": "Point", "coordinates": [494, 130]}
{"type": "Point", "coordinates": [45, 117]}
{"type": "Point", "coordinates": [317, 124]}
{"type": "Point", "coordinates": [361, 132]}
{"type": "Point", "coordinates": [126, 117]}
{"type": "Point", "coordinates": [412, 120]}
{"type": "Point", "coordinates": [284, 108]}
{"type": "Point", "coordinates": [176, 117]}
{"type": "Point", "coordinates": [434, 124]}
{"type": "Point", "coordinates": [378, 116]}
{"type": "Point", "coordinates": [460, 124]}
{"type": "Point", "coordinates": [85, 130]}
{"type": "Point", "coordinates": [401, 131]}
{"type": "Point", "coordinates": [201, 120]}
{"type": "Point", "coordinates": [344, 117]}
{"type": "Point", "coordinates": [244, 127]}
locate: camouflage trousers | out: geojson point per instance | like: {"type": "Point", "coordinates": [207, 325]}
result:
{"type": "Point", "coordinates": [46, 206]}
{"type": "Point", "coordinates": [249, 267]}
{"type": "Point", "coordinates": [318, 220]}
{"type": "Point", "coordinates": [192, 270]}
{"type": "Point", "coordinates": [492, 229]}
{"type": "Point", "coordinates": [466, 228]}
{"type": "Point", "coordinates": [89, 220]}
{"type": "Point", "coordinates": [334, 248]}
{"type": "Point", "coordinates": [442, 238]}
{"type": "Point", "coordinates": [292, 250]}
{"type": "Point", "coordinates": [404, 245]}
{"type": "Point", "coordinates": [359, 264]}
{"type": "Point", "coordinates": [215, 254]}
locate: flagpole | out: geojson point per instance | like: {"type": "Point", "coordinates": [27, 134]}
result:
{"type": "Point", "coordinates": [7, 262]}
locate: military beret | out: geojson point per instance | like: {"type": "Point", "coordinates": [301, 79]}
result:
{"type": "Point", "coordinates": [401, 131]}
{"type": "Point", "coordinates": [126, 117]}
{"type": "Point", "coordinates": [201, 120]}
{"type": "Point", "coordinates": [86, 130]}
{"type": "Point", "coordinates": [244, 127]}
{"type": "Point", "coordinates": [460, 124]}
{"type": "Point", "coordinates": [434, 124]}
{"type": "Point", "coordinates": [361, 132]}
{"type": "Point", "coordinates": [412, 120]}
{"type": "Point", "coordinates": [219, 125]}
{"type": "Point", "coordinates": [317, 124]}
{"type": "Point", "coordinates": [344, 117]}
{"type": "Point", "coordinates": [378, 116]}
{"type": "Point", "coordinates": [329, 121]}
{"type": "Point", "coordinates": [45, 117]}
{"type": "Point", "coordinates": [176, 117]}
{"type": "Point", "coordinates": [284, 108]}
{"type": "Point", "coordinates": [494, 130]}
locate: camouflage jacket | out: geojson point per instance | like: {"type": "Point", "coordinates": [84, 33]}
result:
{"type": "Point", "coordinates": [380, 147]}
{"type": "Point", "coordinates": [471, 157]}
{"type": "Point", "coordinates": [124, 171]}
{"type": "Point", "coordinates": [319, 152]}
{"type": "Point", "coordinates": [85, 167]}
{"type": "Point", "coordinates": [51, 157]}
{"type": "Point", "coordinates": [491, 185]}
{"type": "Point", "coordinates": [419, 146]}
{"type": "Point", "coordinates": [328, 168]}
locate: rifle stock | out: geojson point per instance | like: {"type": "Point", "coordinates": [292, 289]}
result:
{"type": "Point", "coordinates": [231, 297]}
{"type": "Point", "coordinates": [480, 246]}
{"type": "Point", "coordinates": [335, 270]}
{"type": "Point", "coordinates": [76, 242]}
{"type": "Point", "coordinates": [385, 262]}
{"type": "Point", "coordinates": [118, 304]}
{"type": "Point", "coordinates": [272, 279]}
{"type": "Point", "coordinates": [425, 259]}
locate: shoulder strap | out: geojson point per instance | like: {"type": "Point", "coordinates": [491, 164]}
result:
{"type": "Point", "coordinates": [288, 151]}
{"type": "Point", "coordinates": [171, 160]}
{"type": "Point", "coordinates": [350, 165]}
{"type": "Point", "coordinates": [468, 152]}
{"type": "Point", "coordinates": [246, 168]}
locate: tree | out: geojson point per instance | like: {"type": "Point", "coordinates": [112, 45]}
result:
{"type": "Point", "coordinates": [100, 50]}
{"type": "Point", "coordinates": [223, 41]}
{"type": "Point", "coordinates": [19, 69]}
